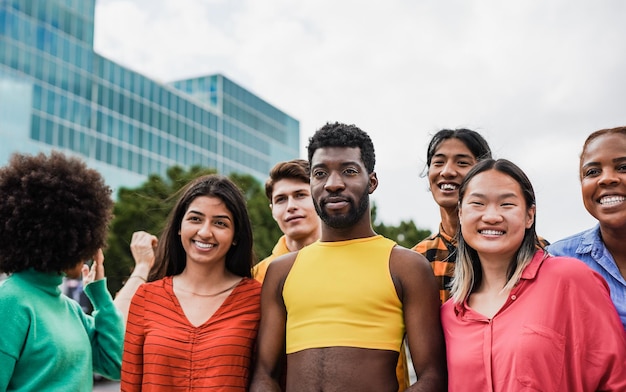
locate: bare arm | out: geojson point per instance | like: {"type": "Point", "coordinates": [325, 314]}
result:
{"type": "Point", "coordinates": [271, 339]}
{"type": "Point", "coordinates": [420, 298]}
{"type": "Point", "coordinates": [142, 247]}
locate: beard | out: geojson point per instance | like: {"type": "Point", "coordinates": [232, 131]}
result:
{"type": "Point", "coordinates": [344, 221]}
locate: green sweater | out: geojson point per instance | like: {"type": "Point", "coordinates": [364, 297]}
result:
{"type": "Point", "coordinates": [47, 343]}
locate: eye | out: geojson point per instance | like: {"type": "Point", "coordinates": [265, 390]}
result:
{"type": "Point", "coordinates": [465, 163]}
{"type": "Point", "coordinates": [279, 200]}
{"type": "Point", "coordinates": [193, 218]}
{"type": "Point", "coordinates": [621, 168]}
{"type": "Point", "coordinates": [302, 195]}
{"type": "Point", "coordinates": [591, 172]}
{"type": "Point", "coordinates": [351, 171]}
{"type": "Point", "coordinates": [437, 162]}
{"type": "Point", "coordinates": [319, 174]}
{"type": "Point", "coordinates": [221, 223]}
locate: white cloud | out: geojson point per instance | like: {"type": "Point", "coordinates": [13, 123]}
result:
{"type": "Point", "coordinates": [534, 77]}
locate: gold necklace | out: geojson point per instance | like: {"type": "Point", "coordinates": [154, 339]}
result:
{"type": "Point", "coordinates": [209, 295]}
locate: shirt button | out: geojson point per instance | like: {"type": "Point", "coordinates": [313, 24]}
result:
{"type": "Point", "coordinates": [513, 297]}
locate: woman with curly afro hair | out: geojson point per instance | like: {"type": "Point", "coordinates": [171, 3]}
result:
{"type": "Point", "coordinates": [55, 213]}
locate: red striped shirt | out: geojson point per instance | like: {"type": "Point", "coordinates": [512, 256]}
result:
{"type": "Point", "coordinates": [164, 352]}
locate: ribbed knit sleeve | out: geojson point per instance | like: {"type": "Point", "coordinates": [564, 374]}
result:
{"type": "Point", "coordinates": [106, 331]}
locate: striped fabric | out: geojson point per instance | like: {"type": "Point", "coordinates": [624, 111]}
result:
{"type": "Point", "coordinates": [164, 352]}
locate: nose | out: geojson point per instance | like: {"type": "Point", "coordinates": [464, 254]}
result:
{"type": "Point", "coordinates": [491, 214]}
{"type": "Point", "coordinates": [448, 170]}
{"type": "Point", "coordinates": [334, 182]}
{"type": "Point", "coordinates": [204, 230]}
{"type": "Point", "coordinates": [608, 177]}
{"type": "Point", "coordinates": [291, 204]}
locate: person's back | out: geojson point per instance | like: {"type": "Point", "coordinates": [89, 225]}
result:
{"type": "Point", "coordinates": [55, 212]}
{"type": "Point", "coordinates": [314, 299]}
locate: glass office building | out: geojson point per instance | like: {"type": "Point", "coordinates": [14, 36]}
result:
{"type": "Point", "coordinates": [57, 93]}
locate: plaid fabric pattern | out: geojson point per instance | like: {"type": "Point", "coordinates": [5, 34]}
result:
{"type": "Point", "coordinates": [440, 250]}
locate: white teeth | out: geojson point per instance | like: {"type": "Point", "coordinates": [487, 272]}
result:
{"type": "Point", "coordinates": [491, 232]}
{"type": "Point", "coordinates": [203, 245]}
{"type": "Point", "coordinates": [448, 187]}
{"type": "Point", "coordinates": [612, 200]}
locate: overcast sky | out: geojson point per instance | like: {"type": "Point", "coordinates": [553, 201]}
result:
{"type": "Point", "coordinates": [534, 77]}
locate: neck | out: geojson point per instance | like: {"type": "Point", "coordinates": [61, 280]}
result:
{"type": "Point", "coordinates": [614, 241]}
{"type": "Point", "coordinates": [449, 220]}
{"type": "Point", "coordinates": [193, 278]}
{"type": "Point", "coordinates": [294, 244]}
{"type": "Point", "coordinates": [494, 274]}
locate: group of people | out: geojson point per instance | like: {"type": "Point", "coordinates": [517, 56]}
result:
{"type": "Point", "coordinates": [483, 304]}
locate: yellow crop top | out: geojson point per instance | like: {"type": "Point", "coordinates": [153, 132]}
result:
{"type": "Point", "coordinates": [342, 294]}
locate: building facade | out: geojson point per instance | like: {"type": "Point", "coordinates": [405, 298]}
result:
{"type": "Point", "coordinates": [57, 93]}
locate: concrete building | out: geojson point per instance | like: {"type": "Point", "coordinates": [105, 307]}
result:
{"type": "Point", "coordinates": [57, 93]}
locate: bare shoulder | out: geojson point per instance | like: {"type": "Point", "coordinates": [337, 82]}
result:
{"type": "Point", "coordinates": [403, 260]}
{"type": "Point", "coordinates": [411, 272]}
{"type": "Point", "coordinates": [281, 265]}
{"type": "Point", "coordinates": [277, 272]}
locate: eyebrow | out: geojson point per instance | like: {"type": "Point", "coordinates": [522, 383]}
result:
{"type": "Point", "coordinates": [500, 197]}
{"type": "Point", "coordinates": [212, 217]}
{"type": "Point", "coordinates": [615, 160]}
{"type": "Point", "coordinates": [454, 155]}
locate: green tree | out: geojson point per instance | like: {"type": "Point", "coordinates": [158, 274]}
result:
{"type": "Point", "coordinates": [264, 228]}
{"type": "Point", "coordinates": [406, 233]}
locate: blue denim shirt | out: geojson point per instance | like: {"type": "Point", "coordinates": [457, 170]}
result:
{"type": "Point", "coordinates": [588, 247]}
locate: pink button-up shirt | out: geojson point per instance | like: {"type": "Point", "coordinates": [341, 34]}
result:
{"type": "Point", "coordinates": [557, 331]}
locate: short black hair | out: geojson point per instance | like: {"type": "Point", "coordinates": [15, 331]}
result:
{"type": "Point", "coordinates": [472, 140]}
{"type": "Point", "coordinates": [55, 213]}
{"type": "Point", "coordinates": [344, 135]}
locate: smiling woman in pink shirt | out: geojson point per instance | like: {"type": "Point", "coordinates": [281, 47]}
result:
{"type": "Point", "coordinates": [520, 319]}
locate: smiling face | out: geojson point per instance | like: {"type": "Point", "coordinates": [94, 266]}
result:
{"type": "Point", "coordinates": [293, 209]}
{"type": "Point", "coordinates": [603, 179]}
{"type": "Point", "coordinates": [340, 186]}
{"type": "Point", "coordinates": [494, 215]}
{"type": "Point", "coordinates": [207, 231]}
{"type": "Point", "coordinates": [450, 163]}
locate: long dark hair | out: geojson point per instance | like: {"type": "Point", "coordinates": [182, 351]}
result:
{"type": "Point", "coordinates": [170, 258]}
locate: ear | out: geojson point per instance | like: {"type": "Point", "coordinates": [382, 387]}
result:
{"type": "Point", "coordinates": [373, 182]}
{"type": "Point", "coordinates": [530, 216]}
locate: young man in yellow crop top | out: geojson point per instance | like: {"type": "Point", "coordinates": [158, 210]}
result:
{"type": "Point", "coordinates": [340, 307]}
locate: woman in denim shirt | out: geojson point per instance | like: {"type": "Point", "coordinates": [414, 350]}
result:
{"type": "Point", "coordinates": [603, 182]}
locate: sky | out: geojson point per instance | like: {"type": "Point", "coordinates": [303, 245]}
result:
{"type": "Point", "coordinates": [534, 77]}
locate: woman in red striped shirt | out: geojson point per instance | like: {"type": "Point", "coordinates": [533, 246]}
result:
{"type": "Point", "coordinates": [194, 325]}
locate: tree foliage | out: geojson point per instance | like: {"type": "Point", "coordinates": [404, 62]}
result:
{"type": "Point", "coordinates": [406, 233]}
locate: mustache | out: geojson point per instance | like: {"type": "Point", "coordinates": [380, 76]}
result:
{"type": "Point", "coordinates": [335, 197]}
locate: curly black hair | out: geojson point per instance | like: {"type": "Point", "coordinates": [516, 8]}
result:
{"type": "Point", "coordinates": [344, 135]}
{"type": "Point", "coordinates": [55, 212]}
